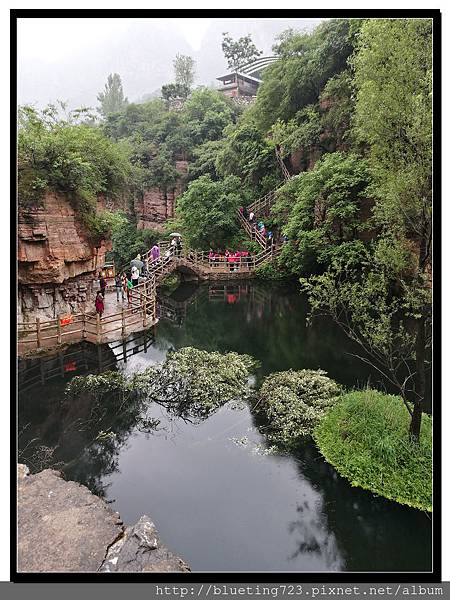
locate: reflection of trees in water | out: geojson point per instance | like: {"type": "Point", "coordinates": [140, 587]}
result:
{"type": "Point", "coordinates": [268, 323]}
{"type": "Point", "coordinates": [350, 528]}
{"type": "Point", "coordinates": [57, 432]}
{"type": "Point", "coordinates": [87, 430]}
{"type": "Point", "coordinates": [313, 537]}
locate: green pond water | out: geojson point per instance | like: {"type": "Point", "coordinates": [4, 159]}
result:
{"type": "Point", "coordinates": [217, 496]}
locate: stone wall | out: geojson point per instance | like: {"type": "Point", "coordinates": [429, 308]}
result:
{"type": "Point", "coordinates": [56, 260]}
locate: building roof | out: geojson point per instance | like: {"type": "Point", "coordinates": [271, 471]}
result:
{"type": "Point", "coordinates": [252, 68]}
{"type": "Point", "coordinates": [241, 75]}
{"type": "Point", "coordinates": [258, 65]}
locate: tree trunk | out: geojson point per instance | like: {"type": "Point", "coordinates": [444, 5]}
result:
{"type": "Point", "coordinates": [419, 392]}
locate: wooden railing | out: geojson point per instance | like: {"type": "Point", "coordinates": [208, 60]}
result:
{"type": "Point", "coordinates": [252, 231]}
{"type": "Point", "coordinates": [283, 167]}
{"type": "Point", "coordinates": [262, 206]}
{"type": "Point", "coordinates": [140, 313]}
{"type": "Point", "coordinates": [68, 362]}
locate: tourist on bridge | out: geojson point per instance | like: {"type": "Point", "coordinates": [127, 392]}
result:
{"type": "Point", "coordinates": [129, 290]}
{"type": "Point", "coordinates": [212, 257]}
{"type": "Point", "coordinates": [102, 281]}
{"type": "Point", "coordinates": [251, 217]}
{"type": "Point", "coordinates": [124, 284]}
{"type": "Point", "coordinates": [134, 275]}
{"type": "Point", "coordinates": [179, 247]}
{"type": "Point", "coordinates": [99, 304]}
{"type": "Point", "coordinates": [119, 286]}
{"type": "Point", "coordinates": [155, 252]}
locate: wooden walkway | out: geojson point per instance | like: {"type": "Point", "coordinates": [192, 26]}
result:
{"type": "Point", "coordinates": [118, 321]}
{"type": "Point", "coordinates": [120, 318]}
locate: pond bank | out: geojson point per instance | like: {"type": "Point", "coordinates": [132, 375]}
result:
{"type": "Point", "coordinates": [63, 527]}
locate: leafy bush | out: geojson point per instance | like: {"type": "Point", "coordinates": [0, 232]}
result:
{"type": "Point", "coordinates": [207, 212]}
{"type": "Point", "coordinates": [325, 211]}
{"type": "Point", "coordinates": [365, 437]}
{"type": "Point", "coordinates": [190, 383]}
{"type": "Point", "coordinates": [270, 271]}
{"type": "Point", "coordinates": [66, 156]}
{"type": "Point", "coordinates": [302, 131]}
{"type": "Point", "coordinates": [129, 241]}
{"type": "Point", "coordinates": [294, 402]}
{"type": "Point", "coordinates": [245, 152]}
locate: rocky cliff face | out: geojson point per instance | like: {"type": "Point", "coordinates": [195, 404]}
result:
{"type": "Point", "coordinates": [56, 260]}
{"type": "Point", "coordinates": [158, 205]}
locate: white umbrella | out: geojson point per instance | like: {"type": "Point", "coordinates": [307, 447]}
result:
{"type": "Point", "coordinates": [175, 235]}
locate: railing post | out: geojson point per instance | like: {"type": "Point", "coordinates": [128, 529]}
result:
{"type": "Point", "coordinates": [123, 323]}
{"type": "Point", "coordinates": [38, 332]}
{"type": "Point", "coordinates": [58, 327]}
{"type": "Point", "coordinates": [99, 333]}
{"type": "Point", "coordinates": [144, 312]}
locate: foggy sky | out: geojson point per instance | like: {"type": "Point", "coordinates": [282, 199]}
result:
{"type": "Point", "coordinates": [70, 59]}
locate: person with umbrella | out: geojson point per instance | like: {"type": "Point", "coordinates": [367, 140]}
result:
{"type": "Point", "coordinates": [175, 244]}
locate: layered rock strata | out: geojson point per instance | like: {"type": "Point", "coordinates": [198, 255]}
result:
{"type": "Point", "coordinates": [57, 262]}
{"type": "Point", "coordinates": [157, 205]}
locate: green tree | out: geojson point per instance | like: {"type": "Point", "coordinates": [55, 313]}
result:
{"type": "Point", "coordinates": [111, 98]}
{"type": "Point", "coordinates": [384, 300]}
{"type": "Point", "coordinates": [247, 153]}
{"type": "Point", "coordinates": [239, 52]}
{"type": "Point", "coordinates": [174, 90]}
{"type": "Point", "coordinates": [320, 211]}
{"type": "Point", "coordinates": [205, 115]}
{"type": "Point", "coordinates": [307, 61]}
{"type": "Point", "coordinates": [206, 212]}
{"type": "Point", "coordinates": [184, 67]}
{"type": "Point", "coordinates": [128, 241]}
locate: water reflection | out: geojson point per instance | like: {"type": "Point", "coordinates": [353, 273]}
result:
{"type": "Point", "coordinates": [260, 511]}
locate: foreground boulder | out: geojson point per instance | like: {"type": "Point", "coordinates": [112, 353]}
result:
{"type": "Point", "coordinates": [63, 527]}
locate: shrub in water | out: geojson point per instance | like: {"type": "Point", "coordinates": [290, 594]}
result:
{"type": "Point", "coordinates": [365, 437]}
{"type": "Point", "coordinates": [294, 402]}
{"type": "Point", "coordinates": [190, 383]}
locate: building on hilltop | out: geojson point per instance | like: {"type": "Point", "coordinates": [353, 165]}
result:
{"type": "Point", "coordinates": [244, 83]}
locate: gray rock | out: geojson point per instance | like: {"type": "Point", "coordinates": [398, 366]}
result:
{"type": "Point", "coordinates": [63, 527]}
{"type": "Point", "coordinates": [140, 550]}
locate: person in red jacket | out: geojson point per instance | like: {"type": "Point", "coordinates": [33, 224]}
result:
{"type": "Point", "coordinates": [99, 304]}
